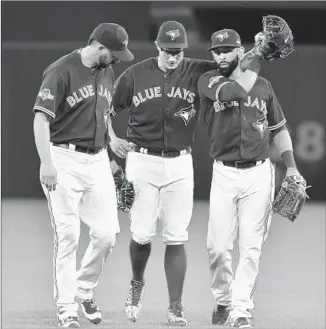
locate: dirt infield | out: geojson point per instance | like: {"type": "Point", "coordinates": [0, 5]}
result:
{"type": "Point", "coordinates": [290, 291]}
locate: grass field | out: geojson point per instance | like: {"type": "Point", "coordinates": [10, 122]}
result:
{"type": "Point", "coordinates": [290, 292]}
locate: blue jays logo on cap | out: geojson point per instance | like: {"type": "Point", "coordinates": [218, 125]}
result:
{"type": "Point", "coordinates": [222, 36]}
{"type": "Point", "coordinates": [225, 38]}
{"type": "Point", "coordinates": [173, 34]}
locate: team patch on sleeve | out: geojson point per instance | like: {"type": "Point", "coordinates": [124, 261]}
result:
{"type": "Point", "coordinates": [214, 80]}
{"type": "Point", "coordinates": [46, 94]}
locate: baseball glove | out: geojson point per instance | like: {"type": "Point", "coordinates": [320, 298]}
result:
{"type": "Point", "coordinates": [126, 196]}
{"type": "Point", "coordinates": [278, 35]}
{"type": "Point", "coordinates": [291, 197]}
{"type": "Point", "coordinates": [124, 189]}
{"type": "Point", "coordinates": [119, 177]}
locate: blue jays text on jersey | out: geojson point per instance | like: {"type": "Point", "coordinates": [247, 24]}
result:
{"type": "Point", "coordinates": [156, 92]}
{"type": "Point", "coordinates": [88, 91]}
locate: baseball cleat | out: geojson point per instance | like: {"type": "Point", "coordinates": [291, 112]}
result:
{"type": "Point", "coordinates": [67, 318]}
{"type": "Point", "coordinates": [134, 301]}
{"type": "Point", "coordinates": [242, 322]}
{"type": "Point", "coordinates": [176, 315]}
{"type": "Point", "coordinates": [91, 310]}
{"type": "Point", "coordinates": [220, 314]}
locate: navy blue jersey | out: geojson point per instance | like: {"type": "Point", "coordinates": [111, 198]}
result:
{"type": "Point", "coordinates": [78, 100]}
{"type": "Point", "coordinates": [164, 107]}
{"type": "Point", "coordinates": [239, 130]}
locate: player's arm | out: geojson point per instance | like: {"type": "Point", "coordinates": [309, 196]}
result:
{"type": "Point", "coordinates": [225, 90]}
{"type": "Point", "coordinates": [123, 91]}
{"type": "Point", "coordinates": [279, 132]}
{"type": "Point", "coordinates": [283, 143]}
{"type": "Point", "coordinates": [41, 126]}
{"type": "Point", "coordinates": [117, 145]}
{"type": "Point", "coordinates": [49, 97]}
{"type": "Point", "coordinates": [235, 90]}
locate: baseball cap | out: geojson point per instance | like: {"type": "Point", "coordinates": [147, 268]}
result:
{"type": "Point", "coordinates": [115, 38]}
{"type": "Point", "coordinates": [172, 35]}
{"type": "Point", "coordinates": [225, 38]}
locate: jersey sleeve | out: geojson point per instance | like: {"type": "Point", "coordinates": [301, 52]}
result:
{"type": "Point", "coordinates": [275, 115]}
{"type": "Point", "coordinates": [209, 85]}
{"type": "Point", "coordinates": [123, 91]}
{"type": "Point", "coordinates": [205, 65]}
{"type": "Point", "coordinates": [51, 94]}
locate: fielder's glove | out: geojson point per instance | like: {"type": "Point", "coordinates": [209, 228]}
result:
{"type": "Point", "coordinates": [291, 197]}
{"type": "Point", "coordinates": [278, 35]}
{"type": "Point", "coordinates": [126, 196]}
{"type": "Point", "coordinates": [124, 189]}
{"type": "Point", "coordinates": [119, 177]}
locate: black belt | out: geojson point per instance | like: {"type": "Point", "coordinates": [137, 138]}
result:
{"type": "Point", "coordinates": [77, 148]}
{"type": "Point", "coordinates": [245, 164]}
{"type": "Point", "coordinates": [163, 153]}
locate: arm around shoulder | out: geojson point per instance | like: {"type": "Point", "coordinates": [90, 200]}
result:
{"type": "Point", "coordinates": [219, 88]}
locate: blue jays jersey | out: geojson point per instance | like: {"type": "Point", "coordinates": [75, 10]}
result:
{"type": "Point", "coordinates": [164, 107]}
{"type": "Point", "coordinates": [239, 130]}
{"type": "Point", "coordinates": [78, 101]}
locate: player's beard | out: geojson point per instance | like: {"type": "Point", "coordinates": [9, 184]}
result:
{"type": "Point", "coordinates": [226, 71]}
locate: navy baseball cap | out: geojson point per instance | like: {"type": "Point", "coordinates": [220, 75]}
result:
{"type": "Point", "coordinates": [172, 35]}
{"type": "Point", "coordinates": [115, 38]}
{"type": "Point", "coordinates": [225, 38]}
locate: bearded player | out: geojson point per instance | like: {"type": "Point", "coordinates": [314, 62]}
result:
{"type": "Point", "coordinates": [242, 113]}
{"type": "Point", "coordinates": [163, 102]}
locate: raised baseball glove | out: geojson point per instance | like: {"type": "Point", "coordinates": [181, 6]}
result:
{"type": "Point", "coordinates": [278, 35]}
{"type": "Point", "coordinates": [124, 189]}
{"type": "Point", "coordinates": [291, 197]}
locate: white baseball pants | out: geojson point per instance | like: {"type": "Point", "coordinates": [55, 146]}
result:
{"type": "Point", "coordinates": [240, 203]}
{"type": "Point", "coordinates": [85, 192]}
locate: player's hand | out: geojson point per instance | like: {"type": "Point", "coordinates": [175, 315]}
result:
{"type": "Point", "coordinates": [120, 147]}
{"type": "Point", "coordinates": [260, 36]}
{"type": "Point", "coordinates": [48, 176]}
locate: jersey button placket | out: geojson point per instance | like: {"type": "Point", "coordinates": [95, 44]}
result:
{"type": "Point", "coordinates": [165, 109]}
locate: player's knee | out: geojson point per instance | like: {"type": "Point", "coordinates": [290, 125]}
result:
{"type": "Point", "coordinates": [216, 250]}
{"type": "Point", "coordinates": [105, 239]}
{"type": "Point", "coordinates": [66, 241]}
{"type": "Point", "coordinates": [175, 239]}
{"type": "Point", "coordinates": [251, 253]}
{"type": "Point", "coordinates": [142, 238]}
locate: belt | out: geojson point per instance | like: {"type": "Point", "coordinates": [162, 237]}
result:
{"type": "Point", "coordinates": [82, 149]}
{"type": "Point", "coordinates": [163, 153]}
{"type": "Point", "coordinates": [243, 164]}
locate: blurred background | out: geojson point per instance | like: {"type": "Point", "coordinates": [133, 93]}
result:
{"type": "Point", "coordinates": [291, 288]}
{"type": "Point", "coordinates": [34, 34]}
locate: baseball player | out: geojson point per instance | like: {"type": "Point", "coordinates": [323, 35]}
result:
{"type": "Point", "coordinates": [161, 96]}
{"type": "Point", "coordinates": [71, 136]}
{"type": "Point", "coordinates": [242, 113]}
